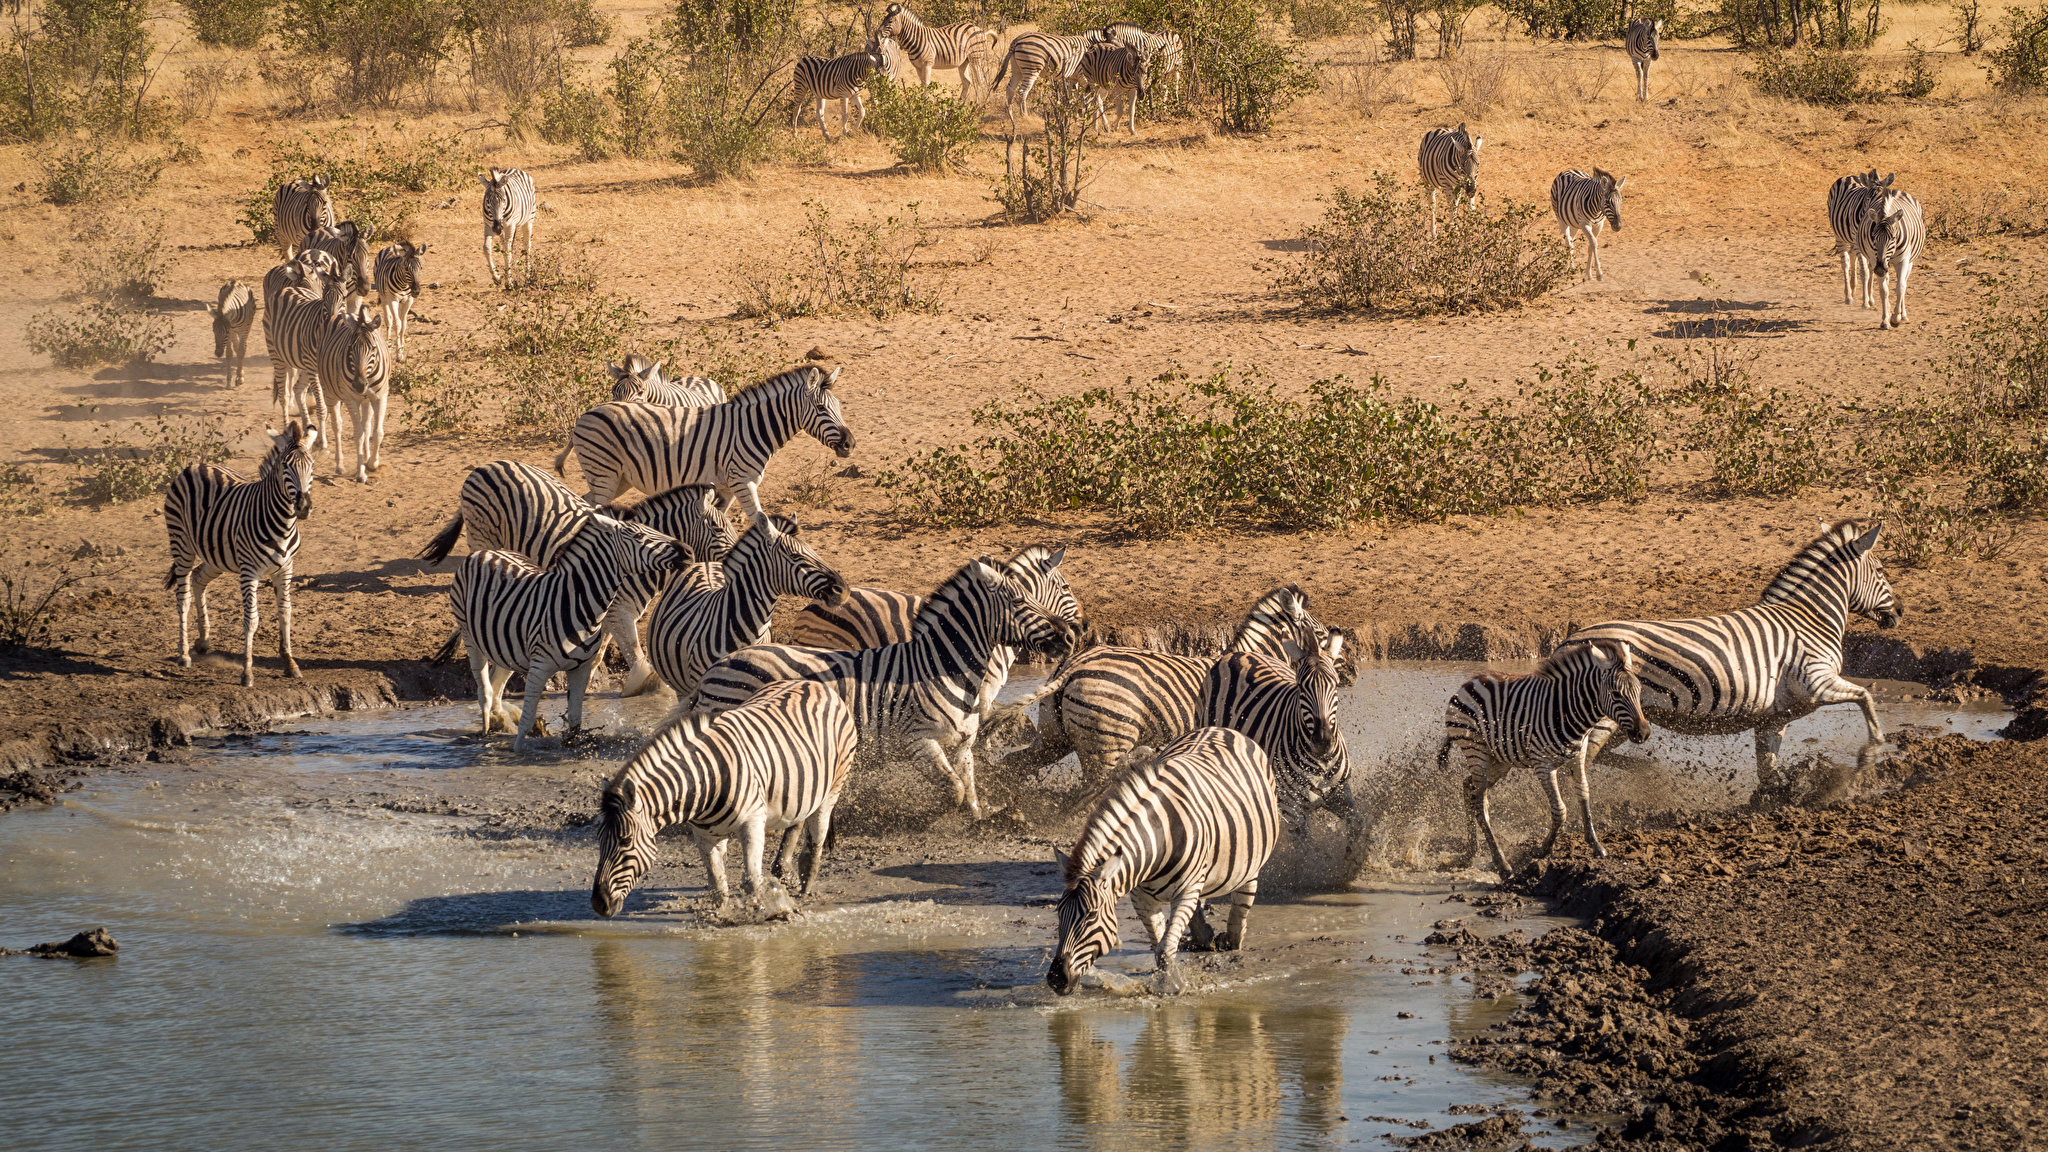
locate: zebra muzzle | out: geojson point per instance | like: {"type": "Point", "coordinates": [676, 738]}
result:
{"type": "Point", "coordinates": [304, 510]}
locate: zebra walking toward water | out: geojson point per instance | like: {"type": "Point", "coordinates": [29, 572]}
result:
{"type": "Point", "coordinates": [1541, 719]}
{"type": "Point", "coordinates": [1114, 69]}
{"type": "Point", "coordinates": [714, 610]}
{"type": "Point", "coordinates": [1846, 198]}
{"type": "Point", "coordinates": [355, 374]}
{"type": "Point", "coordinates": [1641, 42]}
{"type": "Point", "coordinates": [776, 762]}
{"type": "Point", "coordinates": [820, 79]}
{"type": "Point", "coordinates": [398, 285]}
{"type": "Point", "coordinates": [1587, 204]}
{"type": "Point", "coordinates": [1198, 822]}
{"type": "Point", "coordinates": [1760, 668]}
{"type": "Point", "coordinates": [351, 252]}
{"type": "Point", "coordinates": [1892, 232]}
{"type": "Point", "coordinates": [640, 381]}
{"type": "Point", "coordinates": [509, 205]}
{"type": "Point", "coordinates": [1291, 711]}
{"type": "Point", "coordinates": [1449, 162]}
{"type": "Point", "coordinates": [295, 313]}
{"type": "Point", "coordinates": [234, 314]}
{"type": "Point", "coordinates": [219, 522]}
{"type": "Point", "coordinates": [299, 207]}
{"type": "Point", "coordinates": [1030, 56]}
{"type": "Point", "coordinates": [965, 45]}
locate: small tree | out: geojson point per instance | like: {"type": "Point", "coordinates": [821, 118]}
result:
{"type": "Point", "coordinates": [2022, 63]}
{"type": "Point", "coordinates": [926, 126]}
{"type": "Point", "coordinates": [1031, 196]}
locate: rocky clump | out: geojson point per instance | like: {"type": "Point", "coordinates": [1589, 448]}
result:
{"type": "Point", "coordinates": [1489, 1135]}
{"type": "Point", "coordinates": [83, 946]}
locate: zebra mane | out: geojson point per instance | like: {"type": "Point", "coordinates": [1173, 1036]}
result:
{"type": "Point", "coordinates": [279, 453]}
{"type": "Point", "coordinates": [949, 592]}
{"type": "Point", "coordinates": [1572, 650]}
{"type": "Point", "coordinates": [1818, 553]}
{"type": "Point", "coordinates": [1126, 800]}
{"type": "Point", "coordinates": [779, 385]}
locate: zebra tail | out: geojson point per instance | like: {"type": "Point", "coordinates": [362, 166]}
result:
{"type": "Point", "coordinates": [448, 650]}
{"type": "Point", "coordinates": [562, 457]}
{"type": "Point", "coordinates": [1001, 71]}
{"type": "Point", "coordinates": [438, 548]}
{"type": "Point", "coordinates": [1013, 711]}
{"type": "Point", "coordinates": [171, 578]}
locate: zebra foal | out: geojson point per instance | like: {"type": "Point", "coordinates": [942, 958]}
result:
{"type": "Point", "coordinates": [820, 79]}
{"type": "Point", "coordinates": [397, 276]}
{"type": "Point", "coordinates": [776, 762]}
{"type": "Point", "coordinates": [1846, 198]}
{"type": "Point", "coordinates": [640, 381]}
{"type": "Point", "coordinates": [351, 251]}
{"type": "Point", "coordinates": [714, 610]}
{"type": "Point", "coordinates": [219, 522]}
{"type": "Point", "coordinates": [1541, 719]}
{"type": "Point", "coordinates": [509, 205]}
{"type": "Point", "coordinates": [1449, 162]}
{"type": "Point", "coordinates": [1198, 822]}
{"type": "Point", "coordinates": [1892, 232]}
{"type": "Point", "coordinates": [299, 207]}
{"type": "Point", "coordinates": [1165, 50]}
{"type": "Point", "coordinates": [1587, 204]}
{"type": "Point", "coordinates": [1115, 69]}
{"type": "Point", "coordinates": [234, 314]}
{"type": "Point", "coordinates": [964, 45]}
{"type": "Point", "coordinates": [355, 374]}
{"type": "Point", "coordinates": [1640, 40]}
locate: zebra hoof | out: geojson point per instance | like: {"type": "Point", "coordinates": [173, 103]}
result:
{"type": "Point", "coordinates": [184, 661]}
{"type": "Point", "coordinates": [1170, 982]}
{"type": "Point", "coordinates": [248, 679]}
{"type": "Point", "coordinates": [291, 669]}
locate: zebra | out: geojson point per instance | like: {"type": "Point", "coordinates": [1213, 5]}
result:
{"type": "Point", "coordinates": [233, 316]}
{"type": "Point", "coordinates": [355, 373]}
{"type": "Point", "coordinates": [1449, 162]}
{"type": "Point", "coordinates": [641, 381]}
{"type": "Point", "coordinates": [1029, 56]}
{"type": "Point", "coordinates": [1165, 49]}
{"type": "Point", "coordinates": [1540, 719]}
{"type": "Point", "coordinates": [219, 522]}
{"type": "Point", "coordinates": [398, 285]}
{"type": "Point", "coordinates": [654, 448]}
{"type": "Point", "coordinates": [822, 78]}
{"type": "Point", "coordinates": [351, 251]}
{"type": "Point", "coordinates": [295, 314]}
{"type": "Point", "coordinates": [1891, 233]}
{"type": "Point", "coordinates": [1115, 69]}
{"type": "Point", "coordinates": [712, 611]}
{"type": "Point", "coordinates": [514, 617]}
{"type": "Point", "coordinates": [776, 762]}
{"type": "Point", "coordinates": [923, 692]}
{"type": "Point", "coordinates": [1641, 42]}
{"type": "Point", "coordinates": [1760, 668]}
{"type": "Point", "coordinates": [299, 207]}
{"type": "Point", "coordinates": [1587, 204]}
{"type": "Point", "coordinates": [1198, 822]}
{"type": "Point", "coordinates": [509, 205]}
{"type": "Point", "coordinates": [1846, 198]}
{"type": "Point", "coordinates": [961, 45]}
{"type": "Point", "coordinates": [1291, 711]}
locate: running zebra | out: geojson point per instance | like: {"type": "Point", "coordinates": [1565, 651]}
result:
{"type": "Point", "coordinates": [513, 617]}
{"type": "Point", "coordinates": [820, 79]}
{"type": "Point", "coordinates": [655, 448]}
{"type": "Point", "coordinates": [1031, 55]}
{"type": "Point", "coordinates": [298, 208]}
{"type": "Point", "coordinates": [776, 762]}
{"type": "Point", "coordinates": [918, 699]}
{"type": "Point", "coordinates": [714, 610]}
{"type": "Point", "coordinates": [1846, 198]}
{"type": "Point", "coordinates": [964, 45]}
{"type": "Point", "coordinates": [1587, 204]}
{"type": "Point", "coordinates": [1641, 42]}
{"type": "Point", "coordinates": [1292, 713]}
{"type": "Point", "coordinates": [234, 314]}
{"type": "Point", "coordinates": [1450, 163]}
{"type": "Point", "coordinates": [1114, 69]}
{"type": "Point", "coordinates": [1760, 668]}
{"type": "Point", "coordinates": [351, 252]}
{"type": "Point", "coordinates": [1498, 723]}
{"type": "Point", "coordinates": [1196, 823]}
{"type": "Point", "coordinates": [355, 374]}
{"type": "Point", "coordinates": [641, 382]}
{"type": "Point", "coordinates": [219, 522]}
{"type": "Point", "coordinates": [294, 325]}
{"type": "Point", "coordinates": [398, 285]}
{"type": "Point", "coordinates": [509, 205]}
{"type": "Point", "coordinates": [1892, 232]}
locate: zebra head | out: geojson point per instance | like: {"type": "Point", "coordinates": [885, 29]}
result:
{"type": "Point", "coordinates": [1615, 666]}
{"type": "Point", "coordinates": [631, 382]}
{"type": "Point", "coordinates": [638, 548]}
{"type": "Point", "coordinates": [315, 268]}
{"type": "Point", "coordinates": [794, 567]}
{"type": "Point", "coordinates": [497, 202]}
{"type": "Point", "coordinates": [1465, 160]}
{"type": "Point", "coordinates": [1087, 914]}
{"type": "Point", "coordinates": [895, 21]}
{"type": "Point", "coordinates": [880, 53]}
{"type": "Point", "coordinates": [826, 421]}
{"type": "Point", "coordinates": [692, 514]}
{"type": "Point", "coordinates": [1612, 186]}
{"type": "Point", "coordinates": [289, 465]}
{"type": "Point", "coordinates": [625, 845]}
{"type": "Point", "coordinates": [1656, 28]}
{"type": "Point", "coordinates": [1037, 571]}
{"type": "Point", "coordinates": [368, 364]}
{"type": "Point", "coordinates": [408, 256]}
{"type": "Point", "coordinates": [1870, 593]}
{"type": "Point", "coordinates": [1883, 221]}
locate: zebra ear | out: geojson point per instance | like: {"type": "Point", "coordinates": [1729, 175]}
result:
{"type": "Point", "coordinates": [832, 377]}
{"type": "Point", "coordinates": [1336, 648]}
{"type": "Point", "coordinates": [1658, 26]}
{"type": "Point", "coordinates": [1110, 869]}
{"type": "Point", "coordinates": [1058, 556]}
{"type": "Point", "coordinates": [1461, 125]}
{"type": "Point", "coordinates": [617, 372]}
{"type": "Point", "coordinates": [310, 437]}
{"type": "Point", "coordinates": [653, 370]}
{"type": "Point", "coordinates": [1868, 540]}
{"type": "Point", "coordinates": [320, 181]}
{"type": "Point", "coordinates": [1060, 858]}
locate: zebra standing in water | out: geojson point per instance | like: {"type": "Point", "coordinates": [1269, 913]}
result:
{"type": "Point", "coordinates": [294, 324]}
{"type": "Point", "coordinates": [714, 610]}
{"type": "Point", "coordinates": [398, 285]}
{"type": "Point", "coordinates": [1449, 162]}
{"type": "Point", "coordinates": [1031, 55]}
{"type": "Point", "coordinates": [298, 208]}
{"type": "Point", "coordinates": [234, 314]}
{"type": "Point", "coordinates": [1587, 204]}
{"type": "Point", "coordinates": [641, 382]}
{"type": "Point", "coordinates": [509, 205]}
{"type": "Point", "coordinates": [1641, 42]}
{"type": "Point", "coordinates": [1292, 713]}
{"type": "Point", "coordinates": [219, 522]}
{"type": "Point", "coordinates": [820, 79]}
{"type": "Point", "coordinates": [1892, 232]}
{"type": "Point", "coordinates": [1114, 69]}
{"type": "Point", "coordinates": [1196, 823]}
{"type": "Point", "coordinates": [355, 374]}
{"type": "Point", "coordinates": [963, 45]}
{"type": "Point", "coordinates": [776, 762]}
{"type": "Point", "coordinates": [1846, 198]}
{"type": "Point", "coordinates": [351, 252]}
{"type": "Point", "coordinates": [1760, 668]}
{"type": "Point", "coordinates": [1541, 719]}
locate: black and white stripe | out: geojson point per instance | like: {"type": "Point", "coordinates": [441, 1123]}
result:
{"type": "Point", "coordinates": [1891, 233]}
{"type": "Point", "coordinates": [1641, 42]}
{"type": "Point", "coordinates": [294, 325]}
{"type": "Point", "coordinates": [355, 375]}
{"type": "Point", "coordinates": [1540, 720]}
{"type": "Point", "coordinates": [234, 314]}
{"type": "Point", "coordinates": [1846, 199]}
{"type": "Point", "coordinates": [1291, 711]}
{"type": "Point", "coordinates": [822, 78]}
{"type": "Point", "coordinates": [1113, 69]}
{"type": "Point", "coordinates": [1030, 56]}
{"type": "Point", "coordinates": [965, 45]}
{"type": "Point", "coordinates": [219, 522]}
{"type": "Point", "coordinates": [1449, 162]}
{"type": "Point", "coordinates": [351, 251]}
{"type": "Point", "coordinates": [640, 381]}
{"type": "Point", "coordinates": [1165, 50]}
{"type": "Point", "coordinates": [1196, 823]}
{"type": "Point", "coordinates": [300, 207]}
{"type": "Point", "coordinates": [714, 610]}
{"type": "Point", "coordinates": [1760, 668]}
{"type": "Point", "coordinates": [509, 205]}
{"type": "Point", "coordinates": [398, 286]}
{"type": "Point", "coordinates": [776, 762]}
{"type": "Point", "coordinates": [653, 447]}
{"type": "Point", "coordinates": [1586, 204]}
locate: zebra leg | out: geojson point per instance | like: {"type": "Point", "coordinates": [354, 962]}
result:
{"type": "Point", "coordinates": [1152, 914]}
{"type": "Point", "coordinates": [1836, 690]}
{"type": "Point", "coordinates": [622, 624]}
{"type": "Point", "coordinates": [529, 244]}
{"type": "Point", "coordinates": [487, 686]}
{"type": "Point", "coordinates": [820, 829]}
{"type": "Point", "coordinates": [281, 584]}
{"type": "Point", "coordinates": [182, 588]}
{"type": "Point", "coordinates": [1476, 787]}
{"type": "Point", "coordinates": [249, 622]}
{"type": "Point", "coordinates": [402, 321]}
{"type": "Point", "coordinates": [1134, 112]}
{"type": "Point", "coordinates": [1557, 812]}
{"type": "Point", "coordinates": [537, 673]}
{"type": "Point", "coordinates": [1241, 900]}
{"type": "Point", "coordinates": [1905, 271]}
{"type": "Point", "coordinates": [579, 680]}
{"type": "Point", "coordinates": [1586, 809]}
{"type": "Point", "coordinates": [202, 577]}
{"type": "Point", "coordinates": [753, 833]}
{"type": "Point", "coordinates": [491, 256]}
{"type": "Point", "coordinates": [1168, 952]}
{"type": "Point", "coordinates": [378, 408]}
{"type": "Point", "coordinates": [1593, 264]}
{"type": "Point", "coordinates": [1769, 781]}
{"type": "Point", "coordinates": [937, 755]}
{"type": "Point", "coordinates": [713, 851]}
{"type": "Point", "coordinates": [1847, 255]}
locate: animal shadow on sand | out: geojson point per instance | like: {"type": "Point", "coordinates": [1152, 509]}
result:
{"type": "Point", "coordinates": [995, 882]}
{"type": "Point", "coordinates": [1722, 320]}
{"type": "Point", "coordinates": [490, 913]}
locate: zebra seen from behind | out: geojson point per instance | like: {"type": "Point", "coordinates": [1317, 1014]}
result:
{"type": "Point", "coordinates": [1892, 233]}
{"type": "Point", "coordinates": [398, 286]}
{"type": "Point", "coordinates": [1115, 69]}
{"type": "Point", "coordinates": [1541, 720]}
{"type": "Point", "coordinates": [1198, 822]}
{"type": "Point", "coordinates": [1587, 204]}
{"type": "Point", "coordinates": [299, 207]}
{"type": "Point", "coordinates": [295, 310]}
{"type": "Point", "coordinates": [1449, 162]}
{"type": "Point", "coordinates": [1846, 199]}
{"type": "Point", "coordinates": [1641, 42]}
{"type": "Point", "coordinates": [964, 45]}
{"type": "Point", "coordinates": [1291, 711]}
{"type": "Point", "coordinates": [714, 610]}
{"type": "Point", "coordinates": [234, 314]}
{"type": "Point", "coordinates": [509, 205]}
{"type": "Point", "coordinates": [355, 375]}
{"type": "Point", "coordinates": [820, 79]}
{"type": "Point", "coordinates": [219, 522]}
{"type": "Point", "coordinates": [640, 381]}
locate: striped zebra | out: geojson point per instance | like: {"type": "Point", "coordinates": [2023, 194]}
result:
{"type": "Point", "coordinates": [398, 285]}
{"type": "Point", "coordinates": [1641, 42]}
{"type": "Point", "coordinates": [640, 381]}
{"type": "Point", "coordinates": [1541, 720]}
{"type": "Point", "coordinates": [714, 610]}
{"type": "Point", "coordinates": [355, 374]}
{"type": "Point", "coordinates": [509, 205]}
{"type": "Point", "coordinates": [298, 208]}
{"type": "Point", "coordinates": [1114, 69]}
{"type": "Point", "coordinates": [776, 762]}
{"type": "Point", "coordinates": [1196, 823]}
{"type": "Point", "coordinates": [1587, 204]}
{"type": "Point", "coordinates": [294, 324]}
{"type": "Point", "coordinates": [964, 45]}
{"type": "Point", "coordinates": [1291, 711]}
{"type": "Point", "coordinates": [653, 448]}
{"type": "Point", "coordinates": [1760, 668]}
{"type": "Point", "coordinates": [514, 617]}
{"type": "Point", "coordinates": [1449, 162]}
{"type": "Point", "coordinates": [1892, 232]}
{"type": "Point", "coordinates": [219, 522]}
{"type": "Point", "coordinates": [1846, 198]}
{"type": "Point", "coordinates": [1031, 55]}
{"type": "Point", "coordinates": [823, 78]}
{"type": "Point", "coordinates": [918, 699]}
{"type": "Point", "coordinates": [351, 251]}
{"type": "Point", "coordinates": [1165, 50]}
{"type": "Point", "coordinates": [234, 314]}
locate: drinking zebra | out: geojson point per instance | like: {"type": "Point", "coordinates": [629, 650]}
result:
{"type": "Point", "coordinates": [714, 610]}
{"type": "Point", "coordinates": [1114, 69]}
{"type": "Point", "coordinates": [918, 699]}
{"type": "Point", "coordinates": [654, 448]}
{"type": "Point", "coordinates": [1291, 711]}
{"type": "Point", "coordinates": [514, 617]}
{"type": "Point", "coordinates": [776, 762]}
{"type": "Point", "coordinates": [1760, 668]}
{"type": "Point", "coordinates": [355, 374]}
{"type": "Point", "coordinates": [641, 382]}
{"type": "Point", "coordinates": [1641, 42]}
{"type": "Point", "coordinates": [219, 522]}
{"type": "Point", "coordinates": [1846, 198]}
{"type": "Point", "coordinates": [1449, 162]}
{"type": "Point", "coordinates": [351, 252]}
{"type": "Point", "coordinates": [1198, 822]}
{"type": "Point", "coordinates": [1892, 232]}
{"type": "Point", "coordinates": [509, 205]}
{"type": "Point", "coordinates": [294, 324]}
{"type": "Point", "coordinates": [820, 79]}
{"type": "Point", "coordinates": [963, 45]}
{"type": "Point", "coordinates": [1031, 55]}
{"type": "Point", "coordinates": [1541, 719]}
{"type": "Point", "coordinates": [1587, 204]}
{"type": "Point", "coordinates": [234, 314]}
{"type": "Point", "coordinates": [398, 285]}
{"type": "Point", "coordinates": [299, 207]}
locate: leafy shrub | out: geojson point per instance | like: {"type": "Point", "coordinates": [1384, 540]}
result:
{"type": "Point", "coordinates": [117, 471]}
{"type": "Point", "coordinates": [381, 51]}
{"type": "Point", "coordinates": [378, 175]}
{"type": "Point", "coordinates": [21, 491]}
{"type": "Point", "coordinates": [204, 84]}
{"type": "Point", "coordinates": [120, 258]}
{"type": "Point", "coordinates": [101, 169]}
{"type": "Point", "coordinates": [578, 114]}
{"type": "Point", "coordinates": [1256, 79]}
{"type": "Point", "coordinates": [1033, 197]}
{"type": "Point", "coordinates": [719, 114]}
{"type": "Point", "coordinates": [434, 403]}
{"type": "Point", "coordinates": [858, 267]}
{"type": "Point", "coordinates": [99, 333]}
{"type": "Point", "coordinates": [79, 64]}
{"type": "Point", "coordinates": [1319, 19]}
{"type": "Point", "coordinates": [927, 127]}
{"type": "Point", "coordinates": [1570, 436]}
{"type": "Point", "coordinates": [1918, 80]}
{"type": "Point", "coordinates": [25, 614]}
{"type": "Point", "coordinates": [1766, 443]}
{"type": "Point", "coordinates": [734, 357]}
{"type": "Point", "coordinates": [1816, 76]}
{"type": "Point", "coordinates": [1921, 527]}
{"type": "Point", "coordinates": [519, 48]}
{"type": "Point", "coordinates": [228, 23]}
{"type": "Point", "coordinates": [550, 345]}
{"type": "Point", "coordinates": [1573, 19]}
{"type": "Point", "coordinates": [2022, 62]}
{"type": "Point", "coordinates": [1968, 28]}
{"type": "Point", "coordinates": [1763, 23]}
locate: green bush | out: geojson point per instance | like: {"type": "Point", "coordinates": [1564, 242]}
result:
{"type": "Point", "coordinates": [377, 175]}
{"type": "Point", "coordinates": [578, 114]}
{"type": "Point", "coordinates": [119, 471]}
{"type": "Point", "coordinates": [926, 126]}
{"type": "Point", "coordinates": [381, 51]}
{"type": "Point", "coordinates": [719, 115]}
{"type": "Point", "coordinates": [1320, 19]}
{"type": "Point", "coordinates": [1569, 436]}
{"type": "Point", "coordinates": [1918, 80]}
{"type": "Point", "coordinates": [1045, 181]}
{"type": "Point", "coordinates": [26, 615]}
{"type": "Point", "coordinates": [99, 333]}
{"type": "Point", "coordinates": [101, 169]}
{"type": "Point", "coordinates": [850, 268]}
{"type": "Point", "coordinates": [550, 344]}
{"type": "Point", "coordinates": [120, 257]}
{"type": "Point", "coordinates": [21, 492]}
{"type": "Point", "coordinates": [2022, 62]}
{"type": "Point", "coordinates": [432, 402]}
{"type": "Point", "coordinates": [1766, 443]}
{"type": "Point", "coordinates": [228, 23]}
{"type": "Point", "coordinates": [1817, 76]}
{"type": "Point", "coordinates": [80, 64]}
